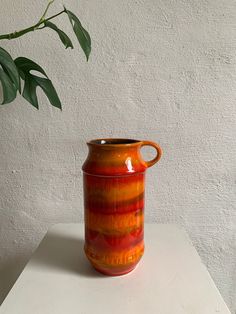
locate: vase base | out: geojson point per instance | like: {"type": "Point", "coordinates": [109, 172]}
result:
{"type": "Point", "coordinates": [117, 273]}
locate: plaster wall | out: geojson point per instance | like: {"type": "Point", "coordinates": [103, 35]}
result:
{"type": "Point", "coordinates": [159, 70]}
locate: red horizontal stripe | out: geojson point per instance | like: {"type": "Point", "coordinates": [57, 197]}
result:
{"type": "Point", "coordinates": [117, 207]}
{"type": "Point", "coordinates": [93, 180]}
{"type": "Point", "coordinates": [100, 242]}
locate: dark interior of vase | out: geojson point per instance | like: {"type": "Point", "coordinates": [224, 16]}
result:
{"type": "Point", "coordinates": [114, 141]}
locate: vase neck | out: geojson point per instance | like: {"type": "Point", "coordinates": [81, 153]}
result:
{"type": "Point", "coordinates": [114, 158]}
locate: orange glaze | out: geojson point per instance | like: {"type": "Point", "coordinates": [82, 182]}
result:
{"type": "Point", "coordinates": [115, 224]}
{"type": "Point", "coordinates": [114, 175]}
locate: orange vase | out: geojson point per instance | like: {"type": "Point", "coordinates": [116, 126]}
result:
{"type": "Point", "coordinates": [114, 186]}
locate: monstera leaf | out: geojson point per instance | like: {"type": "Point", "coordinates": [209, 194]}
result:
{"type": "Point", "coordinates": [63, 37]}
{"type": "Point", "coordinates": [12, 72]}
{"type": "Point", "coordinates": [9, 77]}
{"type": "Point", "coordinates": [81, 33]}
{"type": "Point", "coordinates": [32, 81]}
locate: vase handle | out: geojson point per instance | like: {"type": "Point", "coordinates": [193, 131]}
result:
{"type": "Point", "coordinates": [158, 150]}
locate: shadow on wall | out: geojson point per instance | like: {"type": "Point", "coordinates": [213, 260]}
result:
{"type": "Point", "coordinates": [27, 201]}
{"type": "Point", "coordinates": [9, 272]}
{"type": "Point", "coordinates": [19, 236]}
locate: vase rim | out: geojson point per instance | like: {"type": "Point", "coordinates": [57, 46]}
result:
{"type": "Point", "coordinates": [114, 142]}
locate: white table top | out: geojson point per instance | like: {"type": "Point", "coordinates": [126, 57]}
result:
{"type": "Point", "coordinates": [170, 279]}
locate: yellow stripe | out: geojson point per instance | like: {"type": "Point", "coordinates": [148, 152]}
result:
{"type": "Point", "coordinates": [115, 192]}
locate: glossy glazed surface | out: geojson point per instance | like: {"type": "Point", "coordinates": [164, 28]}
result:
{"type": "Point", "coordinates": [114, 175]}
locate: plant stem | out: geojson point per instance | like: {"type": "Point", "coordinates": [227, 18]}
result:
{"type": "Point", "coordinates": [46, 10]}
{"type": "Point", "coordinates": [31, 28]}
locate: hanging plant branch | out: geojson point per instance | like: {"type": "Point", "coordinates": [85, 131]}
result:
{"type": "Point", "coordinates": [12, 72]}
{"type": "Point", "coordinates": [46, 10]}
{"type": "Point", "coordinates": [32, 28]}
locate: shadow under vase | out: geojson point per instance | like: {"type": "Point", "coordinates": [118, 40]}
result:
{"type": "Point", "coordinates": [65, 253]}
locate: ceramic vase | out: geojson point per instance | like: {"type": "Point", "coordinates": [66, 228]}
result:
{"type": "Point", "coordinates": [114, 186]}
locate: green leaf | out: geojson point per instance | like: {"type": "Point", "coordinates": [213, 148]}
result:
{"type": "Point", "coordinates": [9, 67]}
{"type": "Point", "coordinates": [64, 38]}
{"type": "Point", "coordinates": [49, 90]}
{"type": "Point", "coordinates": [32, 81]}
{"type": "Point", "coordinates": [29, 92]}
{"type": "Point", "coordinates": [81, 34]}
{"type": "Point", "coordinates": [9, 89]}
{"type": "Point", "coordinates": [26, 65]}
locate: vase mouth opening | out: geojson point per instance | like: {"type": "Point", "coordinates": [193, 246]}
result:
{"type": "Point", "coordinates": [108, 142]}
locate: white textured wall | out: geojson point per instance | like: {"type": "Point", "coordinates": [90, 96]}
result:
{"type": "Point", "coordinates": [159, 70]}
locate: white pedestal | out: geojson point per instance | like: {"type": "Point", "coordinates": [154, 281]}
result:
{"type": "Point", "coordinates": [170, 279]}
